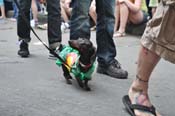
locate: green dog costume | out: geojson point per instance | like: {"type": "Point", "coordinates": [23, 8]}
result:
{"type": "Point", "coordinates": [71, 57]}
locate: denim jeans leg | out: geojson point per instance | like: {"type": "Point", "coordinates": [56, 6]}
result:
{"type": "Point", "coordinates": [106, 50]}
{"type": "Point", "coordinates": [54, 22]}
{"type": "Point", "coordinates": [15, 9]}
{"type": "Point", "coordinates": [23, 29]}
{"type": "Point", "coordinates": [80, 27]}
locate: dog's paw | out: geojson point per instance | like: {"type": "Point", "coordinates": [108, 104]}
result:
{"type": "Point", "coordinates": [68, 81]}
{"type": "Point", "coordinates": [87, 88]}
{"type": "Point", "coordinates": [80, 83]}
{"type": "Point", "coordinates": [70, 77]}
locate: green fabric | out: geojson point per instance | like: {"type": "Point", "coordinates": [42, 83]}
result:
{"type": "Point", "coordinates": [74, 68]}
{"type": "Point", "coordinates": [143, 6]}
{"type": "Point", "coordinates": [64, 52]}
{"type": "Point", "coordinates": [153, 3]}
{"type": "Point", "coordinates": [76, 71]}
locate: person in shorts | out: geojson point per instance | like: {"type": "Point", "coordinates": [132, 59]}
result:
{"type": "Point", "coordinates": [158, 41]}
{"type": "Point", "coordinates": [129, 11]}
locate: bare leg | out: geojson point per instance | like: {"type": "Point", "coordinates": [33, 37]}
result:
{"type": "Point", "coordinates": [136, 18]}
{"type": "Point", "coordinates": [63, 13]}
{"type": "Point", "coordinates": [68, 11]}
{"type": "Point", "coordinates": [34, 11]}
{"type": "Point", "coordinates": [92, 13]}
{"type": "Point", "coordinates": [2, 12]}
{"type": "Point", "coordinates": [117, 16]}
{"type": "Point", "coordinates": [138, 92]}
{"type": "Point", "coordinates": [153, 10]}
{"type": "Point", "coordinates": [124, 13]}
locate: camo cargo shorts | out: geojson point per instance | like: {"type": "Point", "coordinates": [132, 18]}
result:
{"type": "Point", "coordinates": [159, 35]}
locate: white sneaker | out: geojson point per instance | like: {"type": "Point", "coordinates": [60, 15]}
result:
{"type": "Point", "coordinates": [32, 23]}
{"type": "Point", "coordinates": [64, 27]}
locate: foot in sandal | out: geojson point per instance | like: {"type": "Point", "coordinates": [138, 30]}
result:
{"type": "Point", "coordinates": [137, 103]}
{"type": "Point", "coordinates": [119, 34]}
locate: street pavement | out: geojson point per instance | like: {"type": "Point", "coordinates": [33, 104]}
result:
{"type": "Point", "coordinates": [35, 86]}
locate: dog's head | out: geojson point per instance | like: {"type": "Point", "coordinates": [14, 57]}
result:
{"type": "Point", "coordinates": [86, 49]}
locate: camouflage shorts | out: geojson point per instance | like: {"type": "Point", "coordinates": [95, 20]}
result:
{"type": "Point", "coordinates": [159, 35]}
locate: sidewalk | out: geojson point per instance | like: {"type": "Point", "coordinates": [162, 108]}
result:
{"type": "Point", "coordinates": [35, 86]}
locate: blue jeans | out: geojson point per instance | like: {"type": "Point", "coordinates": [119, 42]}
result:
{"type": "Point", "coordinates": [54, 21]}
{"type": "Point", "coordinates": [15, 9]}
{"type": "Point", "coordinates": [80, 27]}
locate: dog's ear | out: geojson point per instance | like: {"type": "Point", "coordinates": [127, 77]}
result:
{"type": "Point", "coordinates": [75, 43]}
{"type": "Point", "coordinates": [80, 44]}
{"type": "Point", "coordinates": [72, 43]}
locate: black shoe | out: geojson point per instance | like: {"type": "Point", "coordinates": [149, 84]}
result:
{"type": "Point", "coordinates": [114, 70]}
{"type": "Point", "coordinates": [23, 51]}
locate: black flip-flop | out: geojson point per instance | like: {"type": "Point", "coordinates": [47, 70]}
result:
{"type": "Point", "coordinates": [130, 107]}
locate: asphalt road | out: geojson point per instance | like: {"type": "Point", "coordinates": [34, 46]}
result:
{"type": "Point", "coordinates": [35, 86]}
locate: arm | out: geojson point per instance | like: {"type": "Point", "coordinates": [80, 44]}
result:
{"type": "Point", "coordinates": [134, 7]}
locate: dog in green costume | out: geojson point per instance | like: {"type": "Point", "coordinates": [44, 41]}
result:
{"type": "Point", "coordinates": [79, 58]}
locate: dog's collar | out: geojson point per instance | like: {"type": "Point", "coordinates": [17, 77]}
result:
{"type": "Point", "coordinates": [85, 66]}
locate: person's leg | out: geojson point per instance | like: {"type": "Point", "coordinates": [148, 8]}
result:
{"type": "Point", "coordinates": [34, 11]}
{"type": "Point", "coordinates": [138, 92]}
{"type": "Point", "coordinates": [15, 9]}
{"type": "Point", "coordinates": [117, 15]}
{"type": "Point", "coordinates": [124, 13]}
{"type": "Point", "coordinates": [23, 29]}
{"type": "Point", "coordinates": [80, 27]}
{"type": "Point", "coordinates": [54, 23]}
{"type": "Point", "coordinates": [22, 26]}
{"type": "Point", "coordinates": [68, 11]}
{"type": "Point", "coordinates": [137, 18]}
{"type": "Point", "coordinates": [153, 10]}
{"type": "Point", "coordinates": [63, 13]}
{"type": "Point", "coordinates": [2, 10]}
{"type": "Point", "coordinates": [92, 12]}
{"type": "Point", "coordinates": [65, 17]}
{"type": "Point", "coordinates": [106, 50]}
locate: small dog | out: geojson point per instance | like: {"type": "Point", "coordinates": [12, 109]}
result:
{"type": "Point", "coordinates": [79, 58]}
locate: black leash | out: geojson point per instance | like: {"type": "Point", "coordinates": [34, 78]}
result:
{"type": "Point", "coordinates": [50, 50]}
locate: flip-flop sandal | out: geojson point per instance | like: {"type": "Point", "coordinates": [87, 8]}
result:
{"type": "Point", "coordinates": [119, 34]}
{"type": "Point", "coordinates": [131, 107]}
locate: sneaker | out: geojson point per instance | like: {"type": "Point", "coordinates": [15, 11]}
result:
{"type": "Point", "coordinates": [64, 27]}
{"type": "Point", "coordinates": [114, 70]}
{"type": "Point", "coordinates": [56, 50]}
{"type": "Point", "coordinates": [23, 51]}
{"type": "Point", "coordinates": [32, 23]}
